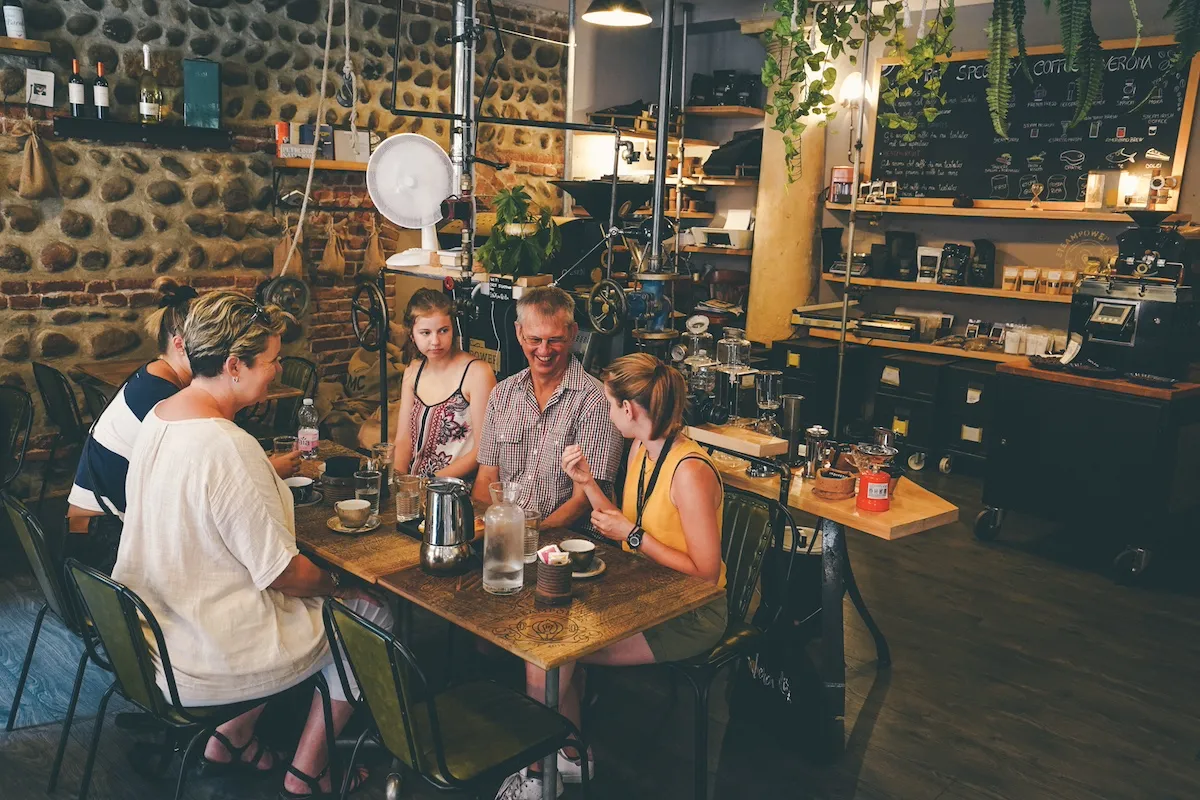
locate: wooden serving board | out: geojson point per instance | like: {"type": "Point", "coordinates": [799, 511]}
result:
{"type": "Point", "coordinates": [739, 440]}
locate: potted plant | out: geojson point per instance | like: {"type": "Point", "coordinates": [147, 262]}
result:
{"type": "Point", "coordinates": [524, 236]}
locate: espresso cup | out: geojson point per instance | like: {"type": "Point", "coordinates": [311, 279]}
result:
{"type": "Point", "coordinates": [302, 488]}
{"type": "Point", "coordinates": [353, 513]}
{"type": "Point", "coordinates": [581, 551]}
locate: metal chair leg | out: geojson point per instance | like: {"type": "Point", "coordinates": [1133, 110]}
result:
{"type": "Point", "coordinates": [700, 714]}
{"type": "Point", "coordinates": [583, 763]}
{"type": "Point", "coordinates": [95, 745]}
{"type": "Point", "coordinates": [46, 471]}
{"type": "Point", "coordinates": [187, 756]}
{"type": "Point", "coordinates": [350, 768]}
{"type": "Point", "coordinates": [330, 734]}
{"type": "Point", "coordinates": [37, 629]}
{"type": "Point", "coordinates": [66, 730]}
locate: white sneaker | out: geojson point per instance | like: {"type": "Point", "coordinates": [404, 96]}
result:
{"type": "Point", "coordinates": [523, 787]}
{"type": "Point", "coordinates": [572, 771]}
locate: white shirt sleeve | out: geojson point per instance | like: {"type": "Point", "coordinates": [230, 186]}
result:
{"type": "Point", "coordinates": [249, 513]}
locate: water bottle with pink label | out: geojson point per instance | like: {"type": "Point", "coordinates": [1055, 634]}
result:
{"type": "Point", "coordinates": [307, 436]}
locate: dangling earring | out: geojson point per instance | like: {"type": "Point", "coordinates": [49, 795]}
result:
{"type": "Point", "coordinates": [235, 378]}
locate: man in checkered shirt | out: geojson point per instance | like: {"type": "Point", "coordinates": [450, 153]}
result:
{"type": "Point", "coordinates": [535, 414]}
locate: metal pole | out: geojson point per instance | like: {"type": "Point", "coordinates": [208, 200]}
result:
{"type": "Point", "coordinates": [660, 140]}
{"type": "Point", "coordinates": [462, 135]}
{"type": "Point", "coordinates": [683, 62]}
{"type": "Point", "coordinates": [570, 112]}
{"type": "Point", "coordinates": [858, 146]}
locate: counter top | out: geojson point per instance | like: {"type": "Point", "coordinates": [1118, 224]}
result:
{"type": "Point", "coordinates": [1026, 370]}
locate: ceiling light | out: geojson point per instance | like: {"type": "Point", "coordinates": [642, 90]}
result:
{"type": "Point", "coordinates": [617, 13]}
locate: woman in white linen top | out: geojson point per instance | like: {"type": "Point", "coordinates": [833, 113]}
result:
{"type": "Point", "coordinates": [210, 545]}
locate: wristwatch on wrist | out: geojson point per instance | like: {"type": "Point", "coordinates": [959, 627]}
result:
{"type": "Point", "coordinates": [634, 539]}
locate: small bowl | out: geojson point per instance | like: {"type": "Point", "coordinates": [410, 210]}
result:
{"type": "Point", "coordinates": [302, 488]}
{"type": "Point", "coordinates": [342, 466]}
{"type": "Point", "coordinates": [582, 553]}
{"type": "Point", "coordinates": [353, 513]}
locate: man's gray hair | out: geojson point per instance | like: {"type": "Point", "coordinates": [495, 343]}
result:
{"type": "Point", "coordinates": [546, 301]}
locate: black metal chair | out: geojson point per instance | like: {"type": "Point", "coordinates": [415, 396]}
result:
{"type": "Point", "coordinates": [96, 397]}
{"type": "Point", "coordinates": [16, 420]}
{"type": "Point", "coordinates": [63, 412]}
{"type": "Point", "coordinates": [46, 569]}
{"type": "Point", "coordinates": [470, 736]}
{"type": "Point", "coordinates": [298, 373]}
{"type": "Point", "coordinates": [749, 525]}
{"type": "Point", "coordinates": [124, 624]}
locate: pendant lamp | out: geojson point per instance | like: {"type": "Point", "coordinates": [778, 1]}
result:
{"type": "Point", "coordinates": [617, 13]}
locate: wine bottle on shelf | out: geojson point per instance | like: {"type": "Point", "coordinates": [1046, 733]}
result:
{"type": "Point", "coordinates": [14, 19]}
{"type": "Point", "coordinates": [149, 99]}
{"type": "Point", "coordinates": [100, 92]}
{"type": "Point", "coordinates": [76, 93]}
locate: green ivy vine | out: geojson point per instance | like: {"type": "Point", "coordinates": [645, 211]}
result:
{"type": "Point", "coordinates": [920, 72]}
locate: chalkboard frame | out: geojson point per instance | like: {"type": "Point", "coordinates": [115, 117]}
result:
{"type": "Point", "coordinates": [1178, 162]}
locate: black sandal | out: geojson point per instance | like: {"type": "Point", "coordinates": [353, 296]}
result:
{"type": "Point", "coordinates": [237, 763]}
{"type": "Point", "coordinates": [314, 784]}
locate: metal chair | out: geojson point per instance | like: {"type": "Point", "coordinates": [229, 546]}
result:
{"type": "Point", "coordinates": [63, 412]}
{"type": "Point", "coordinates": [298, 373]}
{"type": "Point", "coordinates": [46, 570]}
{"type": "Point", "coordinates": [467, 737]}
{"type": "Point", "coordinates": [750, 523]}
{"type": "Point", "coordinates": [123, 624]}
{"type": "Point", "coordinates": [16, 419]}
{"type": "Point", "coordinates": [96, 397]}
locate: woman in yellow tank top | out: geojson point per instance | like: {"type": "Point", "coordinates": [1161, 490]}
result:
{"type": "Point", "coordinates": [671, 514]}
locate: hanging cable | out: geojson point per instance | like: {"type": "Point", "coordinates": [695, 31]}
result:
{"type": "Point", "coordinates": [500, 51]}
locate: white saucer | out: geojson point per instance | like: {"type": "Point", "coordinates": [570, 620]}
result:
{"type": "Point", "coordinates": [598, 566]}
{"type": "Point", "coordinates": [317, 497]}
{"type": "Point", "coordinates": [334, 524]}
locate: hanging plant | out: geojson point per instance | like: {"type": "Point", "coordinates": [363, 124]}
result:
{"type": "Point", "coordinates": [524, 237]}
{"type": "Point", "coordinates": [919, 73]}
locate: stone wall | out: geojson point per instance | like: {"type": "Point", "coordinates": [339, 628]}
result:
{"type": "Point", "coordinates": [75, 270]}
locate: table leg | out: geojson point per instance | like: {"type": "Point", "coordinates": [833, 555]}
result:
{"type": "Point", "coordinates": [833, 646]}
{"type": "Point", "coordinates": [883, 653]}
{"type": "Point", "coordinates": [550, 764]}
{"type": "Point", "coordinates": [402, 613]}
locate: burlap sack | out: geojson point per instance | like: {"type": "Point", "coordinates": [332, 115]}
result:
{"type": "Point", "coordinates": [373, 260]}
{"type": "Point", "coordinates": [333, 260]}
{"type": "Point", "coordinates": [37, 174]}
{"type": "Point", "coordinates": [295, 267]}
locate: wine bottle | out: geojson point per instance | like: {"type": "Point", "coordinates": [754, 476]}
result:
{"type": "Point", "coordinates": [14, 19]}
{"type": "Point", "coordinates": [148, 97]}
{"type": "Point", "coordinates": [100, 92]}
{"type": "Point", "coordinates": [76, 94]}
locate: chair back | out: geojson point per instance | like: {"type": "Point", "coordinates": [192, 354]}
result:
{"type": "Point", "coordinates": [745, 538]}
{"type": "Point", "coordinates": [16, 419]}
{"type": "Point", "coordinates": [42, 560]}
{"type": "Point", "coordinates": [59, 401]}
{"type": "Point", "coordinates": [95, 398]}
{"type": "Point", "coordinates": [124, 625]}
{"type": "Point", "coordinates": [298, 373]}
{"type": "Point", "coordinates": [392, 686]}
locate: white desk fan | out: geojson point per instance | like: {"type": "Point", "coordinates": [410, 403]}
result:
{"type": "Point", "coordinates": [409, 176]}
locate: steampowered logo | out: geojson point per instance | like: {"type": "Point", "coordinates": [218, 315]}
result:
{"type": "Point", "coordinates": [1079, 246]}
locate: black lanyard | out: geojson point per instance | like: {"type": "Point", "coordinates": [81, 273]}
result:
{"type": "Point", "coordinates": [644, 491]}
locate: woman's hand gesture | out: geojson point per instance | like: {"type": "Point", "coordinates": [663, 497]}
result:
{"type": "Point", "coordinates": [575, 464]}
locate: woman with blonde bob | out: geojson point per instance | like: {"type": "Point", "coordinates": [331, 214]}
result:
{"type": "Point", "coordinates": [670, 513]}
{"type": "Point", "coordinates": [210, 546]}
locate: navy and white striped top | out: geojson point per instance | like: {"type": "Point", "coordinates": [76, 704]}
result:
{"type": "Point", "coordinates": [110, 444]}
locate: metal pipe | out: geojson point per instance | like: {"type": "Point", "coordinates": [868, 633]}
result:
{"type": "Point", "coordinates": [570, 100]}
{"type": "Point", "coordinates": [683, 60]}
{"type": "Point", "coordinates": [857, 172]}
{"type": "Point", "coordinates": [660, 140]}
{"type": "Point", "coordinates": [610, 234]}
{"type": "Point", "coordinates": [461, 93]}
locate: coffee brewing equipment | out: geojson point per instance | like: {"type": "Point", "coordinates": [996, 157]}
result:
{"type": "Point", "coordinates": [792, 428]}
{"type": "Point", "coordinates": [816, 446]}
{"type": "Point", "coordinates": [733, 353]}
{"type": "Point", "coordinates": [768, 386]}
{"type": "Point", "coordinates": [873, 480]}
{"type": "Point", "coordinates": [449, 527]}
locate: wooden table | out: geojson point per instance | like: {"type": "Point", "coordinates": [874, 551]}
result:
{"type": "Point", "coordinates": [630, 596]}
{"type": "Point", "coordinates": [114, 373]}
{"type": "Point", "coordinates": [913, 509]}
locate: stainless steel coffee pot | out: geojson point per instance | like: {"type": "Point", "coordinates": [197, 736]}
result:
{"type": "Point", "coordinates": [449, 527]}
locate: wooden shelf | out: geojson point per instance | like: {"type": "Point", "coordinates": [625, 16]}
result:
{"type": "Point", "coordinates": [714, 181]}
{"type": "Point", "coordinates": [994, 213]}
{"type": "Point", "coordinates": [652, 136]}
{"type": "Point", "coordinates": [23, 47]}
{"type": "Point", "coordinates": [161, 135]}
{"type": "Point", "coordinates": [937, 287]}
{"type": "Point", "coordinates": [916, 347]}
{"type": "Point", "coordinates": [725, 111]}
{"type": "Point", "coordinates": [670, 214]}
{"type": "Point", "coordinates": [302, 163]}
{"type": "Point", "coordinates": [717, 251]}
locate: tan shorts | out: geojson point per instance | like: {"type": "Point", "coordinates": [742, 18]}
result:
{"type": "Point", "coordinates": [689, 635]}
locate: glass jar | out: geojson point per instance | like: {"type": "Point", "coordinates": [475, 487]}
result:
{"type": "Point", "coordinates": [734, 348]}
{"type": "Point", "coordinates": [504, 540]}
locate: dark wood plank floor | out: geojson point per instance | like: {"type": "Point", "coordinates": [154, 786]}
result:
{"type": "Point", "coordinates": [1021, 672]}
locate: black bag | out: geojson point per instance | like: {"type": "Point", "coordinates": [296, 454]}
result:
{"type": "Point", "coordinates": [743, 150]}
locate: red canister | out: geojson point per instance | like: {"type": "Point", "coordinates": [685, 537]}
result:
{"type": "Point", "coordinates": [873, 491]}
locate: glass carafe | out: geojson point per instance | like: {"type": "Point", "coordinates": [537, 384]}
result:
{"type": "Point", "coordinates": [734, 348]}
{"type": "Point", "coordinates": [504, 540]}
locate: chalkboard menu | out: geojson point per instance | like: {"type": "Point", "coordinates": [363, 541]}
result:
{"type": "Point", "coordinates": [960, 152]}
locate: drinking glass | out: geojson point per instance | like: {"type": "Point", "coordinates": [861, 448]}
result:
{"type": "Point", "coordinates": [383, 454]}
{"type": "Point", "coordinates": [408, 497]}
{"type": "Point", "coordinates": [284, 444]}
{"type": "Point", "coordinates": [532, 523]}
{"type": "Point", "coordinates": [366, 487]}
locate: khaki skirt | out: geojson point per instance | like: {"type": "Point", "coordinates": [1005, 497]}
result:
{"type": "Point", "coordinates": [689, 635]}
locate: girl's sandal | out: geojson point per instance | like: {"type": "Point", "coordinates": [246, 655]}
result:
{"type": "Point", "coordinates": [314, 784]}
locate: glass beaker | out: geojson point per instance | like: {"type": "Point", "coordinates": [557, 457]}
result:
{"type": "Point", "coordinates": [734, 348]}
{"type": "Point", "coordinates": [768, 386]}
{"type": "Point", "coordinates": [504, 540]}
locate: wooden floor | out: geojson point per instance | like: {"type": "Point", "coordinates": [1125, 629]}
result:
{"type": "Point", "coordinates": [1021, 671]}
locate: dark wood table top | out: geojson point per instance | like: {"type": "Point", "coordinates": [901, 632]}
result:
{"type": "Point", "coordinates": [114, 373]}
{"type": "Point", "coordinates": [631, 595]}
{"type": "Point", "coordinates": [1179, 391]}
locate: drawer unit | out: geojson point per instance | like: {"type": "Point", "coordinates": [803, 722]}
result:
{"type": "Point", "coordinates": [914, 420]}
{"type": "Point", "coordinates": [967, 391]}
{"type": "Point", "coordinates": [911, 375]}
